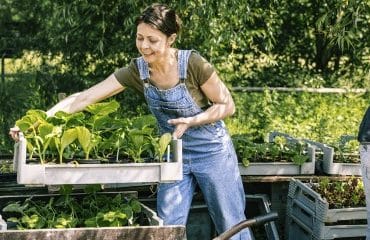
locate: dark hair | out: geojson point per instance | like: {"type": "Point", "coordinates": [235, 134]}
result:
{"type": "Point", "coordinates": [161, 17]}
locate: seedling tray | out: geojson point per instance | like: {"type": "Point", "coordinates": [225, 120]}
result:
{"type": "Point", "coordinates": [155, 229]}
{"type": "Point", "coordinates": [125, 173]}
{"type": "Point", "coordinates": [280, 168]}
{"type": "Point", "coordinates": [309, 216]}
{"type": "Point", "coordinates": [327, 164]}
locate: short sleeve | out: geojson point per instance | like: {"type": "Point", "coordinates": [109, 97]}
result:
{"type": "Point", "coordinates": [129, 77]}
{"type": "Point", "coordinates": [200, 69]}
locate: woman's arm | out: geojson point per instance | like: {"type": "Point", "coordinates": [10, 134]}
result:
{"type": "Point", "coordinates": [79, 101]}
{"type": "Point", "coordinates": [223, 106]}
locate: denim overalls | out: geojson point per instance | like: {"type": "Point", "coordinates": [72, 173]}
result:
{"type": "Point", "coordinates": [209, 158]}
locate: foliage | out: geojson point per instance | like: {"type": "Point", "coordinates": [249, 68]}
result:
{"type": "Point", "coordinates": [280, 150]}
{"type": "Point", "coordinates": [98, 130]}
{"type": "Point", "coordinates": [139, 138]}
{"type": "Point", "coordinates": [319, 117]}
{"type": "Point", "coordinates": [347, 150]}
{"type": "Point", "coordinates": [91, 39]}
{"type": "Point", "coordinates": [68, 210]}
{"type": "Point", "coordinates": [66, 46]}
{"type": "Point", "coordinates": [341, 194]}
{"type": "Point", "coordinates": [6, 167]}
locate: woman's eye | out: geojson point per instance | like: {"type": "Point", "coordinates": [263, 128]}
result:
{"type": "Point", "coordinates": [153, 41]}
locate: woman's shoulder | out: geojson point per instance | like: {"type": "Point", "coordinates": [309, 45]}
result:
{"type": "Point", "coordinates": [130, 69]}
{"type": "Point", "coordinates": [129, 74]}
{"type": "Point", "coordinates": [199, 68]}
{"type": "Point", "coordinates": [197, 60]}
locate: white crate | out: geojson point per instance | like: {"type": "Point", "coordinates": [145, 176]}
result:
{"type": "Point", "coordinates": [280, 168]}
{"type": "Point", "coordinates": [130, 173]}
{"type": "Point", "coordinates": [155, 230]}
{"type": "Point", "coordinates": [327, 164]}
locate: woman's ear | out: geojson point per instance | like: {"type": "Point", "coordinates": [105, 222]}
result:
{"type": "Point", "coordinates": [172, 39]}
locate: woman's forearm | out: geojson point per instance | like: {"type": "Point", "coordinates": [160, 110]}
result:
{"type": "Point", "coordinates": [214, 113]}
{"type": "Point", "coordinates": [79, 101]}
{"type": "Point", "coordinates": [70, 104]}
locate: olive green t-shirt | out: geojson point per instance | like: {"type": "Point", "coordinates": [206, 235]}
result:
{"type": "Point", "coordinates": [199, 71]}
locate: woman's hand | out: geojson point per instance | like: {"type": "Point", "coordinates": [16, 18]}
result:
{"type": "Point", "coordinates": [13, 132]}
{"type": "Point", "coordinates": [181, 125]}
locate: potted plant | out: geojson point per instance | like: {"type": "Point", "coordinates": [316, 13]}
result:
{"type": "Point", "coordinates": [326, 209]}
{"type": "Point", "coordinates": [282, 155]}
{"type": "Point", "coordinates": [87, 215]}
{"type": "Point", "coordinates": [64, 138]}
{"type": "Point", "coordinates": [339, 157]}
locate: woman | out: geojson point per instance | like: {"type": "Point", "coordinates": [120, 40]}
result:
{"type": "Point", "coordinates": [189, 100]}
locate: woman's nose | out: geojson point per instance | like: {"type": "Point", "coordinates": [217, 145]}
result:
{"type": "Point", "coordinates": [144, 44]}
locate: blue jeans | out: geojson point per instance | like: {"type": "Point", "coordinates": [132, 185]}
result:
{"type": "Point", "coordinates": [365, 170]}
{"type": "Point", "coordinates": [219, 180]}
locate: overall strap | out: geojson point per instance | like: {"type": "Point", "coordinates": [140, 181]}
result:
{"type": "Point", "coordinates": [143, 68]}
{"type": "Point", "coordinates": [183, 63]}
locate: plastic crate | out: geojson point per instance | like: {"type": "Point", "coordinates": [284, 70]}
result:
{"type": "Point", "coordinates": [327, 164]}
{"type": "Point", "coordinates": [155, 229]}
{"type": "Point", "coordinates": [280, 168]}
{"type": "Point", "coordinates": [309, 217]}
{"type": "Point", "coordinates": [131, 173]}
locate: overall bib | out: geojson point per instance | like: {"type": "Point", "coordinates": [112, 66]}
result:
{"type": "Point", "coordinates": [209, 158]}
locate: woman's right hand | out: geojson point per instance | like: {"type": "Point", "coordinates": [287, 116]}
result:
{"type": "Point", "coordinates": [13, 132]}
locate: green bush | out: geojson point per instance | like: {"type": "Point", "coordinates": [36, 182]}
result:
{"type": "Point", "coordinates": [316, 116]}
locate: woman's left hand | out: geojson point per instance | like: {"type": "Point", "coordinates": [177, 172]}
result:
{"type": "Point", "coordinates": [181, 125]}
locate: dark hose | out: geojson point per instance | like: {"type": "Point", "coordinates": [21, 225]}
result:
{"type": "Point", "coordinates": [247, 223]}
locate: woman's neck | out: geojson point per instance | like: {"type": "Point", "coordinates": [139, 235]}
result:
{"type": "Point", "coordinates": [166, 63]}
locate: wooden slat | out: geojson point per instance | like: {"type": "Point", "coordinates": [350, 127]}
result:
{"type": "Point", "coordinates": [311, 90]}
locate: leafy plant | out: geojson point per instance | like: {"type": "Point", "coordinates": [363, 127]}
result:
{"type": "Point", "coordinates": [341, 194]}
{"type": "Point", "coordinates": [99, 122]}
{"type": "Point", "coordinates": [138, 135]}
{"type": "Point", "coordinates": [36, 141]}
{"type": "Point", "coordinates": [98, 131]}
{"type": "Point", "coordinates": [160, 145]}
{"type": "Point", "coordinates": [67, 137]}
{"type": "Point", "coordinates": [86, 139]}
{"type": "Point", "coordinates": [138, 142]}
{"type": "Point", "coordinates": [93, 209]}
{"type": "Point", "coordinates": [277, 151]}
{"type": "Point", "coordinates": [6, 166]}
{"type": "Point", "coordinates": [347, 150]}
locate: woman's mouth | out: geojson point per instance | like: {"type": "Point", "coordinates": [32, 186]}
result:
{"type": "Point", "coordinates": [147, 54]}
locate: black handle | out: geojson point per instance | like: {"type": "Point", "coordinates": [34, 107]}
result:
{"type": "Point", "coordinates": [247, 223]}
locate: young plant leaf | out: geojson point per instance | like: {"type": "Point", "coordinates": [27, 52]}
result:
{"type": "Point", "coordinates": [103, 108]}
{"type": "Point", "coordinates": [164, 140]}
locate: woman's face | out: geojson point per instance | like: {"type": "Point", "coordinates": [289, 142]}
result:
{"type": "Point", "coordinates": [151, 43]}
